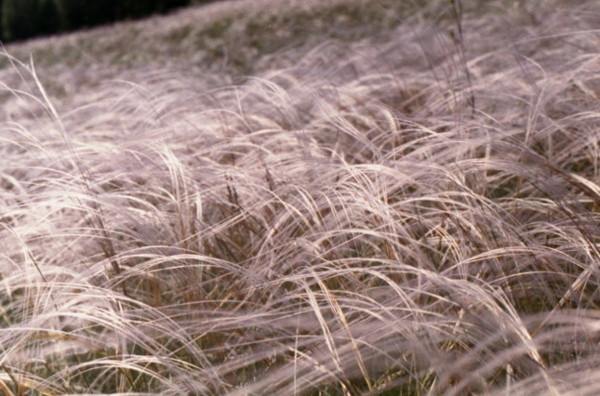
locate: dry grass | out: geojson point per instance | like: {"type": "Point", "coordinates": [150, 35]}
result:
{"type": "Point", "coordinates": [411, 210]}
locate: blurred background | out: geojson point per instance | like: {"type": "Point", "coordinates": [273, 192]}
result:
{"type": "Point", "coordinates": [23, 19]}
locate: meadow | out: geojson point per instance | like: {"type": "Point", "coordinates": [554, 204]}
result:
{"type": "Point", "coordinates": [342, 197]}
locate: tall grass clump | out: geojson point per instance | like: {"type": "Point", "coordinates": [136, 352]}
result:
{"type": "Point", "coordinates": [414, 212]}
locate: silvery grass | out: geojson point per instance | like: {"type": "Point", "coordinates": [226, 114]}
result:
{"type": "Point", "coordinates": [415, 213]}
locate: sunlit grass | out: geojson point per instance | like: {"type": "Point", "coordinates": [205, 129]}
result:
{"type": "Point", "coordinates": [400, 210]}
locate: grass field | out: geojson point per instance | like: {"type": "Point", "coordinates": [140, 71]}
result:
{"type": "Point", "coordinates": [290, 197]}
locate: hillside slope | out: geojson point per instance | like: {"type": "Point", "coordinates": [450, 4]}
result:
{"type": "Point", "coordinates": [291, 197]}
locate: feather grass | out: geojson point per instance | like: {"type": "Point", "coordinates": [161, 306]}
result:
{"type": "Point", "coordinates": [415, 212]}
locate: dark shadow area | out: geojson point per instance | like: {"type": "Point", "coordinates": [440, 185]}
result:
{"type": "Point", "coordinates": [23, 19]}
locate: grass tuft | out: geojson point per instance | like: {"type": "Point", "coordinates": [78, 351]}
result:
{"type": "Point", "coordinates": [404, 206]}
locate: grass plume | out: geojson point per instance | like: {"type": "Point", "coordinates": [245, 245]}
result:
{"type": "Point", "coordinates": [403, 209]}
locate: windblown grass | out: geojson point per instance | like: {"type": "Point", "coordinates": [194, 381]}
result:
{"type": "Point", "coordinates": [414, 211]}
